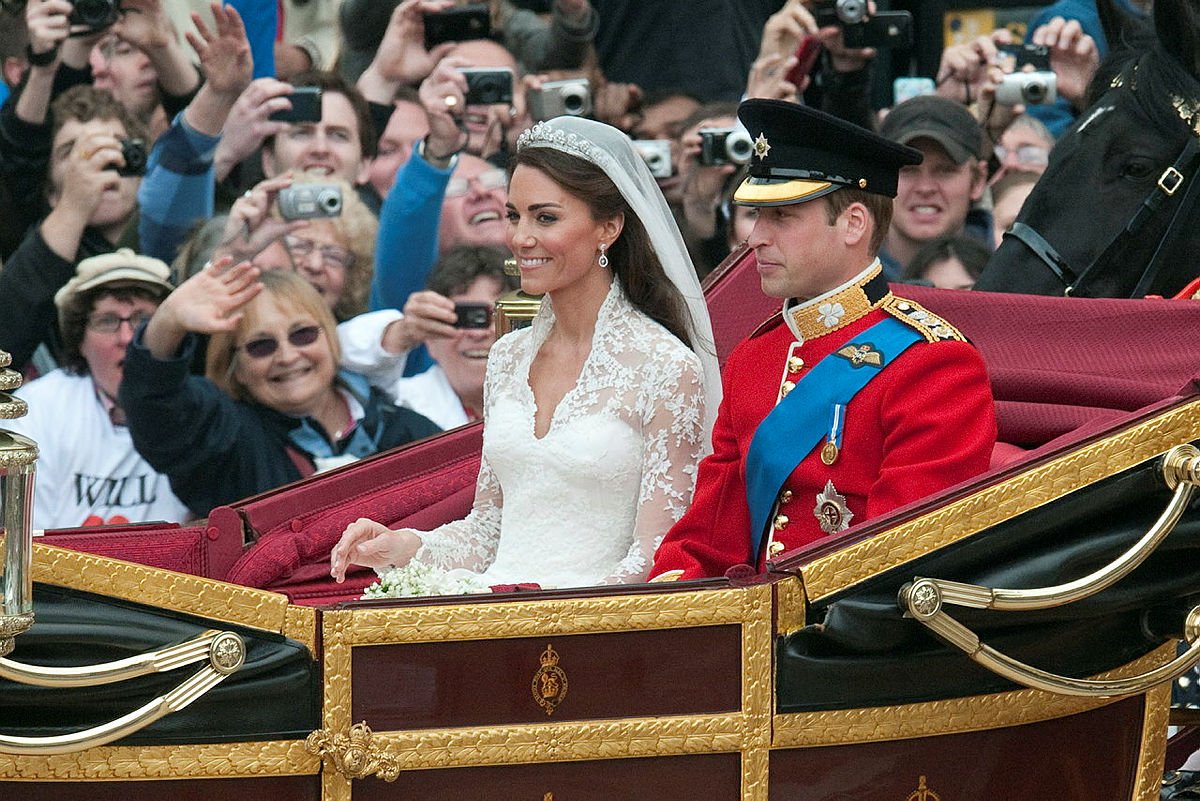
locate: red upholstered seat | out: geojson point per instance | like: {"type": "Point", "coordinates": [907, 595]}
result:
{"type": "Point", "coordinates": [199, 550]}
{"type": "Point", "coordinates": [295, 527]}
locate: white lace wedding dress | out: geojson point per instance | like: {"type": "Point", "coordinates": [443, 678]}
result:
{"type": "Point", "coordinates": [590, 501]}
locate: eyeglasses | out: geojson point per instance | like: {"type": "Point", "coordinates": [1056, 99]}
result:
{"type": "Point", "coordinates": [110, 323]}
{"type": "Point", "coordinates": [262, 348]}
{"type": "Point", "coordinates": [1027, 155]}
{"type": "Point", "coordinates": [487, 181]}
{"type": "Point", "coordinates": [333, 255]}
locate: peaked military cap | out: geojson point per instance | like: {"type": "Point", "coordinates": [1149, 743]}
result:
{"type": "Point", "coordinates": [801, 153]}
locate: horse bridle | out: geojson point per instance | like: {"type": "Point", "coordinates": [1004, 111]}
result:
{"type": "Point", "coordinates": [1169, 182]}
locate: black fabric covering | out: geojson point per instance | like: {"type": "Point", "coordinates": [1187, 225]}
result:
{"type": "Point", "coordinates": [864, 653]}
{"type": "Point", "coordinates": [275, 695]}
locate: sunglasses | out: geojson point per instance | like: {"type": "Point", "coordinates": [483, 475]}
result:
{"type": "Point", "coordinates": [264, 347]}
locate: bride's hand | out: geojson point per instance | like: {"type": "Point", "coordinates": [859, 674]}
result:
{"type": "Point", "coordinates": [365, 542]}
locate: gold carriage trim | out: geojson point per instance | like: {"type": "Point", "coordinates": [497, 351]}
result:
{"type": "Point", "coordinates": [179, 592]}
{"type": "Point", "coordinates": [125, 763]}
{"type": "Point", "coordinates": [353, 754]}
{"type": "Point", "coordinates": [988, 507]}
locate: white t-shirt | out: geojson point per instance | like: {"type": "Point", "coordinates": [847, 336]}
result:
{"type": "Point", "coordinates": [87, 469]}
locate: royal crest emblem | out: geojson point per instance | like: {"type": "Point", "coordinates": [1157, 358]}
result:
{"type": "Point", "coordinates": [923, 793]}
{"type": "Point", "coordinates": [549, 682]}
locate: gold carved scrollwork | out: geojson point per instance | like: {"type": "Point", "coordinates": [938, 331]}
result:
{"type": "Point", "coordinates": [549, 686]}
{"type": "Point", "coordinates": [923, 793]}
{"type": "Point", "coordinates": [353, 755]}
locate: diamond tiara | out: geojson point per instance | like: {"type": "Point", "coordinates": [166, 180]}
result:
{"type": "Point", "coordinates": [545, 135]}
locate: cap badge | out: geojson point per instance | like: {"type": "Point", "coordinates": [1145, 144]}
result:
{"type": "Point", "coordinates": [761, 146]}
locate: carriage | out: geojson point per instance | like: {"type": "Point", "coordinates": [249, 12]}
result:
{"type": "Point", "coordinates": [1013, 637]}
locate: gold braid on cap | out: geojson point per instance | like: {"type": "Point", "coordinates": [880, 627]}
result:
{"type": "Point", "coordinates": [545, 135]}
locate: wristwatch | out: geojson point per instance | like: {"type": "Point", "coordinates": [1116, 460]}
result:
{"type": "Point", "coordinates": [40, 59]}
{"type": "Point", "coordinates": [450, 159]}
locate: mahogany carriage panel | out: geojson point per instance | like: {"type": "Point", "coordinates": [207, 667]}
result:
{"type": "Point", "coordinates": [490, 682]}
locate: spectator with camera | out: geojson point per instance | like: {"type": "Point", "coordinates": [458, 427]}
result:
{"type": "Point", "coordinates": [453, 317]}
{"type": "Point", "coordinates": [939, 196]}
{"type": "Point", "coordinates": [92, 202]}
{"type": "Point", "coordinates": [317, 123]}
{"type": "Point", "coordinates": [88, 470]}
{"type": "Point", "coordinates": [273, 406]}
{"type": "Point", "coordinates": [316, 227]}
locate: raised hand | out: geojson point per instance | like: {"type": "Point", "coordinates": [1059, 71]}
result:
{"type": "Point", "coordinates": [251, 226]}
{"type": "Point", "coordinates": [210, 301]}
{"type": "Point", "coordinates": [401, 57]}
{"type": "Point", "coordinates": [1073, 56]}
{"type": "Point", "coordinates": [145, 24]}
{"type": "Point", "coordinates": [249, 125]}
{"type": "Point", "coordinates": [224, 54]}
{"type": "Point", "coordinates": [47, 25]}
{"type": "Point", "coordinates": [371, 544]}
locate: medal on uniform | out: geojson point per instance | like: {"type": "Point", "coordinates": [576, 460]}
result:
{"type": "Point", "coordinates": [833, 443]}
{"type": "Point", "coordinates": [831, 511]}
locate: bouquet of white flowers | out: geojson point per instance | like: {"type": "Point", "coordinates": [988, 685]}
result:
{"type": "Point", "coordinates": [417, 579]}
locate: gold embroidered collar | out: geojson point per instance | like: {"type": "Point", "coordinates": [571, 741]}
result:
{"type": "Point", "coordinates": [839, 307]}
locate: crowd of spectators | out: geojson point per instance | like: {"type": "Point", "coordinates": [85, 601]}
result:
{"type": "Point", "coordinates": [159, 147]}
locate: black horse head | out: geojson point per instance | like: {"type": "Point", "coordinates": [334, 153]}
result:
{"type": "Point", "coordinates": [1115, 214]}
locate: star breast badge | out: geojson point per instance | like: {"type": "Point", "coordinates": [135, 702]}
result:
{"type": "Point", "coordinates": [761, 146]}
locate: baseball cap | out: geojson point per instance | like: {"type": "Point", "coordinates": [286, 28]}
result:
{"type": "Point", "coordinates": [938, 118]}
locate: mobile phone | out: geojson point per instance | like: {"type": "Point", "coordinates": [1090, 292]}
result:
{"type": "Point", "coordinates": [473, 315]}
{"type": "Point", "coordinates": [806, 57]}
{"type": "Point", "coordinates": [458, 24]}
{"type": "Point", "coordinates": [306, 106]}
{"type": "Point", "coordinates": [1034, 56]}
{"type": "Point", "coordinates": [906, 88]}
{"type": "Point", "coordinates": [884, 29]}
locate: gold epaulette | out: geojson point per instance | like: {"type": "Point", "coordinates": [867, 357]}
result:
{"type": "Point", "coordinates": [767, 324]}
{"type": "Point", "coordinates": [932, 327]}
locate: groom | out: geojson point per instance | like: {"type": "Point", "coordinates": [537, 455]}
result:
{"type": "Point", "coordinates": [851, 401]}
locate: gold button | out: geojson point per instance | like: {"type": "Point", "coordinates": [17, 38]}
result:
{"type": "Point", "coordinates": [775, 548]}
{"type": "Point", "coordinates": [787, 387]}
{"type": "Point", "coordinates": [780, 523]}
{"type": "Point", "coordinates": [785, 497]}
{"type": "Point", "coordinates": [795, 364]}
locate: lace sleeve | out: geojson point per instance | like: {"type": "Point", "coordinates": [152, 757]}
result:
{"type": "Point", "coordinates": [471, 543]}
{"type": "Point", "coordinates": [673, 438]}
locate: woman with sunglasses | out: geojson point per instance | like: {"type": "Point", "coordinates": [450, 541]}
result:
{"type": "Point", "coordinates": [272, 406]}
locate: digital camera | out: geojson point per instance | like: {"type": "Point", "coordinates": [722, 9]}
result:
{"type": "Point", "coordinates": [1030, 88]}
{"type": "Point", "coordinates": [134, 151]}
{"type": "Point", "coordinates": [95, 14]}
{"type": "Point", "coordinates": [472, 315]}
{"type": "Point", "coordinates": [487, 86]}
{"type": "Point", "coordinates": [840, 12]}
{"type": "Point", "coordinates": [571, 97]}
{"type": "Point", "coordinates": [725, 146]}
{"type": "Point", "coordinates": [307, 201]}
{"type": "Point", "coordinates": [657, 155]}
{"type": "Point", "coordinates": [860, 28]}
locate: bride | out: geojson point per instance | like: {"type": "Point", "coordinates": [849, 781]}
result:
{"type": "Point", "coordinates": [597, 414]}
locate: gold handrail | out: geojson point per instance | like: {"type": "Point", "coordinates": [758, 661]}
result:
{"type": "Point", "coordinates": [924, 599]}
{"type": "Point", "coordinates": [226, 655]}
{"type": "Point", "coordinates": [170, 658]}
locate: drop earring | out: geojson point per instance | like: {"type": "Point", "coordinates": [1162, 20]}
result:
{"type": "Point", "coordinates": [603, 260]}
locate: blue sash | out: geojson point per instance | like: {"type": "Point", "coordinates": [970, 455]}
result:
{"type": "Point", "coordinates": [798, 422]}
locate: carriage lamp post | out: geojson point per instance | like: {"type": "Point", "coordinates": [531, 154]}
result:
{"type": "Point", "coordinates": [515, 309]}
{"type": "Point", "coordinates": [17, 457]}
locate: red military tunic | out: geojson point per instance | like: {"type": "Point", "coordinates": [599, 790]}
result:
{"type": "Point", "coordinates": [925, 422]}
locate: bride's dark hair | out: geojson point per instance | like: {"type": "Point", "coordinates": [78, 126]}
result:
{"type": "Point", "coordinates": [631, 257]}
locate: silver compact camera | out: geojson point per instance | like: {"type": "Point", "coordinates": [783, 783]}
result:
{"type": "Point", "coordinates": [840, 12]}
{"type": "Point", "coordinates": [725, 146]}
{"type": "Point", "coordinates": [307, 201]}
{"type": "Point", "coordinates": [657, 155]}
{"type": "Point", "coordinates": [571, 97]}
{"type": "Point", "coordinates": [1030, 88]}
